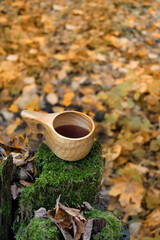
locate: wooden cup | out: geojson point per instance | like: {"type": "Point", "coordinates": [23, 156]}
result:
{"type": "Point", "coordinates": [70, 149]}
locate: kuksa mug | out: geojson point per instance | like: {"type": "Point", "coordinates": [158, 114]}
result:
{"type": "Point", "coordinates": [50, 127]}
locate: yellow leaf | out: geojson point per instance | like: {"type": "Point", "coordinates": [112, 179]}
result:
{"type": "Point", "coordinates": [40, 40]}
{"type": "Point", "coordinates": [13, 108]}
{"type": "Point", "coordinates": [3, 20]}
{"type": "Point", "coordinates": [72, 54]}
{"type": "Point", "coordinates": [48, 88]}
{"type": "Point", "coordinates": [41, 59]}
{"type": "Point", "coordinates": [67, 98]}
{"type": "Point", "coordinates": [111, 40]}
{"type": "Point", "coordinates": [2, 51]}
{"type": "Point", "coordinates": [87, 99]}
{"type": "Point", "coordinates": [61, 57]}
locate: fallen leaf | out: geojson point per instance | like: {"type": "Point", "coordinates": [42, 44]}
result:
{"type": "Point", "coordinates": [25, 183]}
{"type": "Point", "coordinates": [61, 57]}
{"type": "Point", "coordinates": [88, 230]}
{"type": "Point", "coordinates": [153, 219]}
{"type": "Point", "coordinates": [63, 219]}
{"type": "Point", "coordinates": [68, 218]}
{"type": "Point", "coordinates": [12, 127]}
{"type": "Point", "coordinates": [65, 233]}
{"type": "Point", "coordinates": [12, 58]}
{"type": "Point", "coordinates": [15, 190]}
{"type": "Point", "coordinates": [40, 213]}
{"type": "Point", "coordinates": [112, 153]}
{"type": "Point", "coordinates": [33, 104]}
{"type": "Point", "coordinates": [153, 198]}
{"type": "Point", "coordinates": [13, 108]}
{"type": "Point", "coordinates": [48, 88]}
{"type": "Point", "coordinates": [2, 154]}
{"type": "Point", "coordinates": [67, 98]}
{"type": "Point", "coordinates": [130, 194]}
{"type": "Point", "coordinates": [80, 228]}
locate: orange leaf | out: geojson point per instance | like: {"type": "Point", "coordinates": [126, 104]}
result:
{"type": "Point", "coordinates": [13, 108]}
{"type": "Point", "coordinates": [61, 57]}
{"type": "Point", "coordinates": [48, 88]}
{"type": "Point", "coordinates": [67, 98]}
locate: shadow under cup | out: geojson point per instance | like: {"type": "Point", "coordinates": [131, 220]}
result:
{"type": "Point", "coordinates": [73, 125]}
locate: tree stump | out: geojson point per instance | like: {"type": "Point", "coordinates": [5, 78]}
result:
{"type": "Point", "coordinates": [6, 176]}
{"type": "Point", "coordinates": [75, 181]}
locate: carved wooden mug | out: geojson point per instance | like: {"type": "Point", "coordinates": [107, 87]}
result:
{"type": "Point", "coordinates": [66, 148]}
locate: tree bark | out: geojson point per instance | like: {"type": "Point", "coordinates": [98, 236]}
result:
{"type": "Point", "coordinates": [6, 177]}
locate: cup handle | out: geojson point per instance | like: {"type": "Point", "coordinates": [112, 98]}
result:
{"type": "Point", "coordinates": [37, 121]}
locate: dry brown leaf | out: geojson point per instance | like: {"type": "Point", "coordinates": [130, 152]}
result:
{"type": "Point", "coordinates": [25, 183]}
{"type": "Point", "coordinates": [141, 170]}
{"type": "Point", "coordinates": [12, 127]}
{"type": "Point", "coordinates": [153, 198]}
{"type": "Point", "coordinates": [153, 219]}
{"type": "Point", "coordinates": [73, 212]}
{"type": "Point", "coordinates": [88, 230]}
{"type": "Point", "coordinates": [63, 219]}
{"type": "Point", "coordinates": [130, 194]}
{"type": "Point", "coordinates": [80, 228]}
{"type": "Point", "coordinates": [40, 213]}
{"type": "Point", "coordinates": [68, 218]}
{"type": "Point", "coordinates": [15, 190]}
{"type": "Point", "coordinates": [112, 40]}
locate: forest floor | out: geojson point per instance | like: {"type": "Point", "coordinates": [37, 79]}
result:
{"type": "Point", "coordinates": [101, 58]}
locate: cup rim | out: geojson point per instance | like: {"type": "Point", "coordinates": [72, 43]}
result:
{"type": "Point", "coordinates": [80, 113]}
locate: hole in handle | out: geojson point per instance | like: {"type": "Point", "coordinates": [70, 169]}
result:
{"type": "Point", "coordinates": [40, 137]}
{"type": "Point", "coordinates": [40, 127]}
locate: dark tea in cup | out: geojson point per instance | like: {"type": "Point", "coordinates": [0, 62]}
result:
{"type": "Point", "coordinates": [72, 131]}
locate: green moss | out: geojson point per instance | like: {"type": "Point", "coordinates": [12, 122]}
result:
{"type": "Point", "coordinates": [113, 228]}
{"type": "Point", "coordinates": [44, 229]}
{"type": "Point", "coordinates": [38, 229]}
{"type": "Point", "coordinates": [75, 181]}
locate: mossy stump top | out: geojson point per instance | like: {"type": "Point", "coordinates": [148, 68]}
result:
{"type": "Point", "coordinates": [38, 229]}
{"type": "Point", "coordinates": [76, 181]}
{"type": "Point", "coordinates": [44, 229]}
